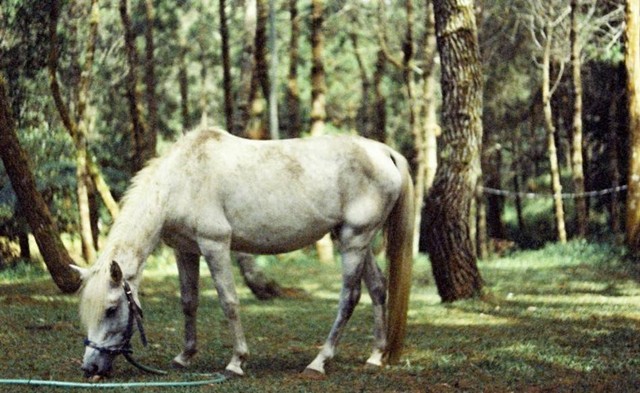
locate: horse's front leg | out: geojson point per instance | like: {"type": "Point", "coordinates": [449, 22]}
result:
{"type": "Point", "coordinates": [219, 261]}
{"type": "Point", "coordinates": [352, 269]}
{"type": "Point", "coordinates": [189, 272]}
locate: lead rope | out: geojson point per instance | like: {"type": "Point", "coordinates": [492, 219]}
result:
{"type": "Point", "coordinates": [135, 313]}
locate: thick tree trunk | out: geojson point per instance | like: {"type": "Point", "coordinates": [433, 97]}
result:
{"type": "Point", "coordinates": [576, 151]}
{"type": "Point", "coordinates": [261, 287]}
{"type": "Point", "coordinates": [446, 224]}
{"type": "Point", "coordinates": [226, 67]}
{"type": "Point", "coordinates": [632, 63]}
{"type": "Point", "coordinates": [551, 139]}
{"type": "Point", "coordinates": [38, 216]}
{"type": "Point", "coordinates": [294, 124]}
{"type": "Point", "coordinates": [142, 148]}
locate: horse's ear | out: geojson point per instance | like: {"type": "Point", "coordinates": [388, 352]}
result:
{"type": "Point", "coordinates": [116, 273]}
{"type": "Point", "coordinates": [84, 272]}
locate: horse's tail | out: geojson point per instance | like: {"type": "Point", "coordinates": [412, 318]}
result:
{"type": "Point", "coordinates": [399, 239]}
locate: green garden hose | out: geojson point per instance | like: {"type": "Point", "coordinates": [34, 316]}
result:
{"type": "Point", "coordinates": [213, 379]}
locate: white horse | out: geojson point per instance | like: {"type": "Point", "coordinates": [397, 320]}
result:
{"type": "Point", "coordinates": [213, 193]}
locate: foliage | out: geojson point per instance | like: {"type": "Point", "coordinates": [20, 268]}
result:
{"type": "Point", "coordinates": [561, 318]}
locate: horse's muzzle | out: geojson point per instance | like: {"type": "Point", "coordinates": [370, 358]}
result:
{"type": "Point", "coordinates": [96, 363]}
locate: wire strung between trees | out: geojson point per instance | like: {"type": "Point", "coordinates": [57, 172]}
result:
{"type": "Point", "coordinates": [563, 195]}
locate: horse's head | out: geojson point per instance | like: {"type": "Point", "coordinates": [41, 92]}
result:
{"type": "Point", "coordinates": [108, 309]}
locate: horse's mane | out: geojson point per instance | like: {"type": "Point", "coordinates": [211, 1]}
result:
{"type": "Point", "coordinates": [96, 284]}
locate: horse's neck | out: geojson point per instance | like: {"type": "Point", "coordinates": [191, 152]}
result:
{"type": "Point", "coordinates": [136, 232]}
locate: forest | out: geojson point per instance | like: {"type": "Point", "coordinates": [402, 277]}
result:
{"type": "Point", "coordinates": [520, 120]}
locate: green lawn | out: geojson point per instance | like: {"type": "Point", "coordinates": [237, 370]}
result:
{"type": "Point", "coordinates": [562, 318]}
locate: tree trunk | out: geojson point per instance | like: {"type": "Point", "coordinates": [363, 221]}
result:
{"type": "Point", "coordinates": [614, 129]}
{"type": "Point", "coordinates": [246, 68]}
{"type": "Point", "coordinates": [446, 224]}
{"type": "Point", "coordinates": [142, 148]}
{"type": "Point", "coordinates": [257, 128]}
{"type": "Point", "coordinates": [261, 287]}
{"type": "Point", "coordinates": [324, 246]}
{"type": "Point", "coordinates": [274, 128]}
{"type": "Point", "coordinates": [78, 130]}
{"type": "Point", "coordinates": [226, 67]}
{"type": "Point", "coordinates": [632, 63]}
{"type": "Point", "coordinates": [379, 117]}
{"type": "Point", "coordinates": [576, 152]}
{"type": "Point", "coordinates": [294, 124]}
{"type": "Point", "coordinates": [183, 81]}
{"type": "Point", "coordinates": [551, 139]}
{"type": "Point", "coordinates": [38, 217]}
{"type": "Point", "coordinates": [363, 115]}
{"type": "Point", "coordinates": [150, 82]}
{"type": "Point", "coordinates": [318, 84]}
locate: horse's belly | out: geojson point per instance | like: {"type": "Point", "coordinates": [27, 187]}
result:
{"type": "Point", "coordinates": [267, 239]}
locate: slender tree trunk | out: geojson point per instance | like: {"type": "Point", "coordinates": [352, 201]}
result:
{"type": "Point", "coordinates": [516, 168]}
{"type": "Point", "coordinates": [551, 140]}
{"type": "Point", "coordinates": [577, 145]}
{"type": "Point", "coordinates": [142, 148]}
{"type": "Point", "coordinates": [151, 136]}
{"type": "Point", "coordinates": [226, 66]}
{"type": "Point", "coordinates": [318, 84]}
{"type": "Point", "coordinates": [183, 81]}
{"type": "Point", "coordinates": [448, 240]}
{"type": "Point", "coordinates": [16, 164]}
{"type": "Point", "coordinates": [274, 127]}
{"type": "Point", "coordinates": [257, 128]}
{"type": "Point", "coordinates": [632, 63]}
{"type": "Point", "coordinates": [246, 67]}
{"type": "Point", "coordinates": [614, 129]}
{"type": "Point", "coordinates": [76, 130]}
{"type": "Point", "coordinates": [379, 112]}
{"type": "Point", "coordinates": [324, 246]}
{"type": "Point", "coordinates": [364, 111]}
{"type": "Point", "coordinates": [294, 124]}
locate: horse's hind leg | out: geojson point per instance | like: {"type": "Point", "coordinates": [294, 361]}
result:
{"type": "Point", "coordinates": [375, 282]}
{"type": "Point", "coordinates": [352, 270]}
{"type": "Point", "coordinates": [189, 271]}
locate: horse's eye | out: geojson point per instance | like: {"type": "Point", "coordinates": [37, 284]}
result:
{"type": "Point", "coordinates": [111, 312]}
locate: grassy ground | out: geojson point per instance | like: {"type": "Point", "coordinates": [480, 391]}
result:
{"type": "Point", "coordinates": [556, 319]}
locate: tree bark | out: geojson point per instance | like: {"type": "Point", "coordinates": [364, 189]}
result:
{"type": "Point", "coordinates": [246, 68]}
{"type": "Point", "coordinates": [446, 224]}
{"type": "Point", "coordinates": [632, 64]}
{"type": "Point", "coordinates": [39, 218]}
{"type": "Point", "coordinates": [257, 128]}
{"type": "Point", "coordinates": [379, 118]}
{"type": "Point", "coordinates": [274, 127]}
{"type": "Point", "coordinates": [78, 130]}
{"type": "Point", "coordinates": [150, 82]}
{"type": "Point", "coordinates": [294, 124]}
{"type": "Point", "coordinates": [551, 140]}
{"type": "Point", "coordinates": [226, 67]}
{"type": "Point", "coordinates": [577, 145]}
{"type": "Point", "coordinates": [318, 84]}
{"type": "Point", "coordinates": [324, 246]}
{"type": "Point", "coordinates": [142, 148]}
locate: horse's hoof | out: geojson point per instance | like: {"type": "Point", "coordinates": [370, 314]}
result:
{"type": "Point", "coordinates": [312, 375]}
{"type": "Point", "coordinates": [228, 374]}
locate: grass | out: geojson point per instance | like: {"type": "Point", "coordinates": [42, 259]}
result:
{"type": "Point", "coordinates": [561, 318]}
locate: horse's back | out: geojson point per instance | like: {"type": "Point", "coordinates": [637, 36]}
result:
{"type": "Point", "coordinates": [276, 196]}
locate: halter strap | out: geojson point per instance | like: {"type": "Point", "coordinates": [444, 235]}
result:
{"type": "Point", "coordinates": [135, 313]}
